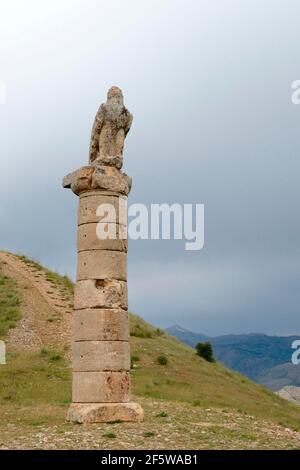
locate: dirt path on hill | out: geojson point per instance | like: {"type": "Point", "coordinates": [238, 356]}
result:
{"type": "Point", "coordinates": [46, 307]}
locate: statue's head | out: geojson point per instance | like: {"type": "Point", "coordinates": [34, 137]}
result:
{"type": "Point", "coordinates": [115, 95]}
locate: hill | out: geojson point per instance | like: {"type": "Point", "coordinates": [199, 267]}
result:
{"type": "Point", "coordinates": [254, 355]}
{"type": "Point", "coordinates": [290, 393]}
{"type": "Point", "coordinates": [280, 376]}
{"type": "Point", "coordinates": [188, 402]}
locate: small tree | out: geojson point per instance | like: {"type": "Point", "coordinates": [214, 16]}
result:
{"type": "Point", "coordinates": [205, 350]}
{"type": "Point", "coordinates": [162, 360]}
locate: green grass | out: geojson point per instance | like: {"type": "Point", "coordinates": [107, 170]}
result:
{"type": "Point", "coordinates": [9, 304]}
{"type": "Point", "coordinates": [51, 355]}
{"type": "Point", "coordinates": [32, 379]}
{"type": "Point", "coordinates": [110, 435]}
{"type": "Point", "coordinates": [198, 403]}
{"type": "Point", "coordinates": [31, 262]}
{"type": "Point", "coordinates": [64, 282]}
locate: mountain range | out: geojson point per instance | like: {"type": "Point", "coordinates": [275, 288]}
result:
{"type": "Point", "coordinates": [264, 359]}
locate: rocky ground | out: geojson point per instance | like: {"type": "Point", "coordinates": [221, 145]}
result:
{"type": "Point", "coordinates": [167, 426]}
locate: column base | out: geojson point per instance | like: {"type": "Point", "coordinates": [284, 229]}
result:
{"type": "Point", "coordinates": [104, 412]}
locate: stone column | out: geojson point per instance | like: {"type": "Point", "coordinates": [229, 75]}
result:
{"type": "Point", "coordinates": [101, 350]}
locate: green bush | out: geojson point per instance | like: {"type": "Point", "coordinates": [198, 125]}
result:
{"type": "Point", "coordinates": [110, 435]}
{"type": "Point", "coordinates": [196, 403]}
{"type": "Point", "coordinates": [205, 351]}
{"type": "Point", "coordinates": [149, 434]}
{"type": "Point", "coordinates": [141, 334]}
{"type": "Point", "coordinates": [159, 332]}
{"type": "Point", "coordinates": [162, 360]}
{"type": "Point", "coordinates": [162, 414]}
{"type": "Point", "coordinates": [51, 355]}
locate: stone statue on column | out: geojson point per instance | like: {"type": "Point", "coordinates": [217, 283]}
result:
{"type": "Point", "coordinates": [101, 350]}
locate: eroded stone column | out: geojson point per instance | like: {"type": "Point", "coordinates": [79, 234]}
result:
{"type": "Point", "coordinates": [101, 350]}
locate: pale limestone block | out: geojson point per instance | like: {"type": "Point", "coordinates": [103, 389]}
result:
{"type": "Point", "coordinates": [101, 264]}
{"type": "Point", "coordinates": [80, 180]}
{"type": "Point", "coordinates": [96, 207]}
{"type": "Point", "coordinates": [104, 412]}
{"type": "Point", "coordinates": [94, 356]}
{"type": "Point", "coordinates": [91, 237]}
{"type": "Point", "coordinates": [101, 387]}
{"type": "Point", "coordinates": [101, 293]}
{"type": "Point", "coordinates": [2, 353]}
{"type": "Point", "coordinates": [96, 324]}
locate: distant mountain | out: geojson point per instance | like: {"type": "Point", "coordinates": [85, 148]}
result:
{"type": "Point", "coordinates": [186, 336]}
{"type": "Point", "coordinates": [254, 355]}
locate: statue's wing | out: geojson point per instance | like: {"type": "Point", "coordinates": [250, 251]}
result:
{"type": "Point", "coordinates": [98, 123]}
{"type": "Point", "coordinates": [128, 122]}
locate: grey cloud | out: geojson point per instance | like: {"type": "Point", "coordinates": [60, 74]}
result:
{"type": "Point", "coordinates": [208, 83]}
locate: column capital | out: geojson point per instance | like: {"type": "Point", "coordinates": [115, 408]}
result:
{"type": "Point", "coordinates": [98, 177]}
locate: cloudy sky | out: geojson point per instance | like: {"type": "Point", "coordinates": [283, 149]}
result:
{"type": "Point", "coordinates": [209, 85]}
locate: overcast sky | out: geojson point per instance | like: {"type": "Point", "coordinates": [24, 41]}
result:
{"type": "Point", "coordinates": [209, 85]}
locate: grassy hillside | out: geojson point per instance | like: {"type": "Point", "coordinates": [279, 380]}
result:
{"type": "Point", "coordinates": [191, 379]}
{"type": "Point", "coordinates": [35, 385]}
{"type": "Point", "coordinates": [9, 304]}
